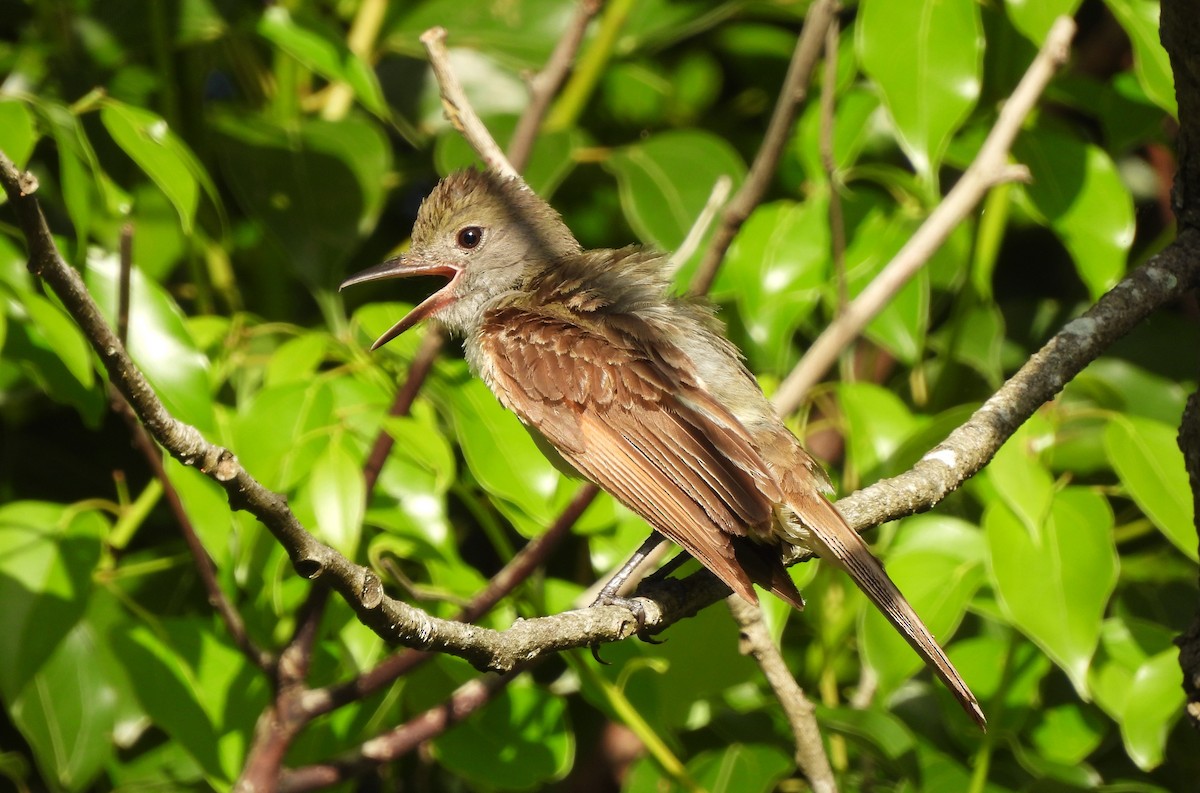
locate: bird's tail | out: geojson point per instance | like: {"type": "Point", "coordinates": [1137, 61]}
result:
{"type": "Point", "coordinates": [836, 542]}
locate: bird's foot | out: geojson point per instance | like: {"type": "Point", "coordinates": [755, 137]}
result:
{"type": "Point", "coordinates": [635, 608]}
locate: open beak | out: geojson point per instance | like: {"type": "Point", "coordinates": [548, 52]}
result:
{"type": "Point", "coordinates": [404, 266]}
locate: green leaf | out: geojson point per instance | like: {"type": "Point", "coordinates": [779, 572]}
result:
{"type": "Point", "coordinates": [877, 423]}
{"type": "Point", "coordinates": [1139, 18]}
{"type": "Point", "coordinates": [1137, 681]}
{"type": "Point", "coordinates": [976, 338]}
{"type": "Point", "coordinates": [1155, 697]}
{"type": "Point", "coordinates": [17, 132]}
{"type": "Point", "coordinates": [1078, 193]}
{"type": "Point", "coordinates": [926, 56]}
{"type": "Point", "coordinates": [503, 457]}
{"type": "Point", "coordinates": [665, 181]}
{"type": "Point", "coordinates": [197, 688]}
{"type": "Point", "coordinates": [321, 49]}
{"type": "Point", "coordinates": [777, 269]}
{"type": "Point", "coordinates": [741, 768]}
{"type": "Point", "coordinates": [48, 554]}
{"type": "Point", "coordinates": [520, 740]}
{"type": "Point", "coordinates": [207, 507]}
{"type": "Point", "coordinates": [1054, 579]}
{"type": "Point", "coordinates": [1034, 17]}
{"type": "Point", "coordinates": [67, 711]}
{"type": "Point", "coordinates": [166, 159]}
{"type": "Point", "coordinates": [1067, 733]}
{"type": "Point", "coordinates": [331, 500]}
{"type": "Point", "coordinates": [521, 34]}
{"type": "Point", "coordinates": [57, 333]}
{"type": "Point", "coordinates": [316, 186]}
{"type": "Point", "coordinates": [296, 359]}
{"type": "Point", "coordinates": [901, 326]}
{"type": "Point", "coordinates": [1018, 475]}
{"type": "Point", "coordinates": [159, 342]}
{"type": "Point", "coordinates": [1147, 458]}
{"type": "Point", "coordinates": [281, 431]}
{"type": "Point", "coordinates": [853, 129]}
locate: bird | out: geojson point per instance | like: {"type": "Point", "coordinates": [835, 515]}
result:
{"type": "Point", "coordinates": [636, 389]}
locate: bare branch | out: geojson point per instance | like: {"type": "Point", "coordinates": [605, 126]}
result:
{"type": "Point", "coordinates": [756, 642]}
{"type": "Point", "coordinates": [837, 226]}
{"type": "Point", "coordinates": [205, 568]}
{"type": "Point", "coordinates": [716, 198]}
{"type": "Point", "coordinates": [545, 84]}
{"type": "Point", "coordinates": [459, 110]}
{"type": "Point", "coordinates": [989, 169]}
{"type": "Point", "coordinates": [467, 699]}
{"type": "Point", "coordinates": [795, 88]}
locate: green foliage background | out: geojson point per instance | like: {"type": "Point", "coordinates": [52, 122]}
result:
{"type": "Point", "coordinates": [221, 131]}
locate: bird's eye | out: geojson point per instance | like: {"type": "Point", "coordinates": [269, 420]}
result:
{"type": "Point", "coordinates": [470, 237]}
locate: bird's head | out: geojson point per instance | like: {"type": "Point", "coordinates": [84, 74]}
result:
{"type": "Point", "coordinates": [487, 234]}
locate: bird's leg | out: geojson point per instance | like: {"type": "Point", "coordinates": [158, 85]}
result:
{"type": "Point", "coordinates": [676, 562]}
{"type": "Point", "coordinates": [607, 596]}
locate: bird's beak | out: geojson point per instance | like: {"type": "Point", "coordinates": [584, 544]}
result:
{"type": "Point", "coordinates": [404, 266]}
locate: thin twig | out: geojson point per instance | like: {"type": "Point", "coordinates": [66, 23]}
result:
{"type": "Point", "coordinates": [716, 198]}
{"type": "Point", "coordinates": [545, 84]}
{"type": "Point", "coordinates": [141, 441]}
{"type": "Point", "coordinates": [990, 168]}
{"type": "Point", "coordinates": [795, 88]}
{"type": "Point", "coordinates": [458, 108]}
{"type": "Point", "coordinates": [126, 259]}
{"type": "Point", "coordinates": [756, 642]}
{"type": "Point", "coordinates": [837, 226]}
{"type": "Point", "coordinates": [418, 370]}
{"type": "Point", "coordinates": [465, 700]}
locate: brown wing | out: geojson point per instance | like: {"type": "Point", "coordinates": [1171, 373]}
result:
{"type": "Point", "coordinates": [630, 416]}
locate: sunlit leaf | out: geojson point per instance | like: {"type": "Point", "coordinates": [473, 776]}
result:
{"type": "Point", "coordinates": [331, 500]}
{"type": "Point", "coordinates": [1054, 579]}
{"type": "Point", "coordinates": [926, 56]}
{"type": "Point", "coordinates": [47, 557]}
{"type": "Point", "coordinates": [1139, 18]}
{"type": "Point", "coordinates": [324, 51]}
{"type": "Point", "coordinates": [1078, 192]}
{"type": "Point", "coordinates": [158, 151]}
{"type": "Point", "coordinates": [159, 342]}
{"type": "Point", "coordinates": [777, 270]}
{"type": "Point", "coordinates": [1034, 17]}
{"type": "Point", "coordinates": [666, 179]}
{"type": "Point", "coordinates": [1144, 453]}
{"type": "Point", "coordinates": [17, 131]}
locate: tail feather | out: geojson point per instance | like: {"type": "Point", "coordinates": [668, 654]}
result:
{"type": "Point", "coordinates": [764, 566]}
{"type": "Point", "coordinates": [836, 542]}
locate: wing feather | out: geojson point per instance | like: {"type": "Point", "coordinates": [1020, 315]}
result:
{"type": "Point", "coordinates": [628, 416]}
